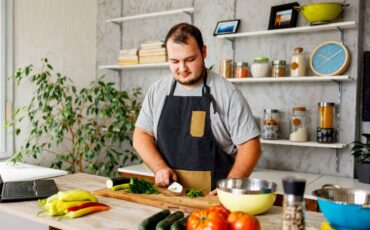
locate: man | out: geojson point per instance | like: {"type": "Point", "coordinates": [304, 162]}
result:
{"type": "Point", "coordinates": [195, 127]}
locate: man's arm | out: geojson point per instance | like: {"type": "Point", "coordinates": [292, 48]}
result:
{"type": "Point", "coordinates": [246, 158]}
{"type": "Point", "coordinates": [145, 144]}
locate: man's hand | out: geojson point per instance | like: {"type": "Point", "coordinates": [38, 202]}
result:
{"type": "Point", "coordinates": [164, 176]}
{"type": "Point", "coordinates": [213, 192]}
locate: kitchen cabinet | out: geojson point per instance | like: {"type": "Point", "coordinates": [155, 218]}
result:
{"type": "Point", "coordinates": [189, 11]}
{"type": "Point", "coordinates": [340, 26]}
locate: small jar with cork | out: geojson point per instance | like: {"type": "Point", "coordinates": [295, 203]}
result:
{"type": "Point", "coordinates": [298, 63]}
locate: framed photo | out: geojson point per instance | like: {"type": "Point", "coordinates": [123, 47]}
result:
{"type": "Point", "coordinates": [226, 27]}
{"type": "Point", "coordinates": [283, 16]}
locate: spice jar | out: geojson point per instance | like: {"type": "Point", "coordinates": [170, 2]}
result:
{"type": "Point", "coordinates": [261, 67]}
{"type": "Point", "coordinates": [270, 124]}
{"type": "Point", "coordinates": [293, 204]}
{"type": "Point", "coordinates": [326, 122]}
{"type": "Point", "coordinates": [241, 70]}
{"type": "Point", "coordinates": [298, 63]}
{"type": "Point", "coordinates": [297, 125]}
{"type": "Point", "coordinates": [278, 68]}
{"type": "Point", "coordinates": [226, 68]}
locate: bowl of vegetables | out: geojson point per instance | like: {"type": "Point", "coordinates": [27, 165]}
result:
{"type": "Point", "coordinates": [251, 195]}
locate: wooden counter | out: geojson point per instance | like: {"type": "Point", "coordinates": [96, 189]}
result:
{"type": "Point", "coordinates": [123, 214]}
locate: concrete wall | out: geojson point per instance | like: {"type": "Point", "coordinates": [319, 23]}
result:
{"type": "Point", "coordinates": [254, 16]}
{"type": "Point", "coordinates": [65, 32]}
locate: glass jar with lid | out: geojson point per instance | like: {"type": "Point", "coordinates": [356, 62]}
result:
{"type": "Point", "coordinates": [241, 70]}
{"type": "Point", "coordinates": [297, 126]}
{"type": "Point", "coordinates": [298, 63]}
{"type": "Point", "coordinates": [278, 68]}
{"type": "Point", "coordinates": [326, 122]}
{"type": "Point", "coordinates": [270, 124]}
{"type": "Point", "coordinates": [226, 68]}
{"type": "Point", "coordinates": [261, 67]}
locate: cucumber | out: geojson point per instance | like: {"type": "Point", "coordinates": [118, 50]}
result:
{"type": "Point", "coordinates": [180, 224]}
{"type": "Point", "coordinates": [150, 222]}
{"type": "Point", "coordinates": [116, 181]}
{"type": "Point", "coordinates": [169, 220]}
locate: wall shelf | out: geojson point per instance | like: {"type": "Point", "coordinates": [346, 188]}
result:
{"type": "Point", "coordinates": [150, 15]}
{"type": "Point", "coordinates": [138, 66]}
{"type": "Point", "coordinates": [304, 144]}
{"type": "Point", "coordinates": [291, 79]}
{"type": "Point", "coordinates": [302, 29]}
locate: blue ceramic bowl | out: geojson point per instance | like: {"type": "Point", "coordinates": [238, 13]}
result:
{"type": "Point", "coordinates": [345, 208]}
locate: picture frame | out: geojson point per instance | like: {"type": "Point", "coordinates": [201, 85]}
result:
{"type": "Point", "coordinates": [226, 27]}
{"type": "Point", "coordinates": [283, 16]}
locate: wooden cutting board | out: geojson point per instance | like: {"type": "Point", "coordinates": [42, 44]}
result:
{"type": "Point", "coordinates": [165, 199]}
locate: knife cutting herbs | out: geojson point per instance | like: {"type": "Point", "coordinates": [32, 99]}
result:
{"type": "Point", "coordinates": [143, 186]}
{"type": "Point", "coordinates": [132, 184]}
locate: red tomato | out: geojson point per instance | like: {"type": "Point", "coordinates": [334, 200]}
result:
{"type": "Point", "coordinates": [220, 210]}
{"type": "Point", "coordinates": [206, 220]}
{"type": "Point", "coordinates": [243, 221]}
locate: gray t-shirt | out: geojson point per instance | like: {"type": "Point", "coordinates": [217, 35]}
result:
{"type": "Point", "coordinates": [233, 124]}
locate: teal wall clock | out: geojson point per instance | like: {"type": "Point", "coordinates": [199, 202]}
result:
{"type": "Point", "coordinates": [330, 58]}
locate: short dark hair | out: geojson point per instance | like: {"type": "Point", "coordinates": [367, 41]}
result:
{"type": "Point", "coordinates": [180, 33]}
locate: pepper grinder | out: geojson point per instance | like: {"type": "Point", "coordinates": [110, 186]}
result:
{"type": "Point", "coordinates": [293, 204]}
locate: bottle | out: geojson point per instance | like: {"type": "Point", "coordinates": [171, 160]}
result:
{"type": "Point", "coordinates": [293, 204]}
{"type": "Point", "coordinates": [261, 67]}
{"type": "Point", "coordinates": [241, 70]}
{"type": "Point", "coordinates": [270, 124]}
{"type": "Point", "coordinates": [297, 125]}
{"type": "Point", "coordinates": [298, 63]}
{"type": "Point", "coordinates": [278, 68]}
{"type": "Point", "coordinates": [326, 122]}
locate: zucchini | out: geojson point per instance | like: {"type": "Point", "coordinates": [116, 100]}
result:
{"type": "Point", "coordinates": [117, 181]}
{"type": "Point", "coordinates": [150, 222]}
{"type": "Point", "coordinates": [169, 220]}
{"type": "Point", "coordinates": [180, 224]}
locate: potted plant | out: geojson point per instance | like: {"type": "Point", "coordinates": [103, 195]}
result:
{"type": "Point", "coordinates": [93, 123]}
{"type": "Point", "coordinates": [361, 152]}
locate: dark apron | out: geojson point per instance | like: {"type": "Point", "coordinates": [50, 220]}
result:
{"type": "Point", "coordinates": [186, 141]}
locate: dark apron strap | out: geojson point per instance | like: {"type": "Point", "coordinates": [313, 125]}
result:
{"type": "Point", "coordinates": [205, 90]}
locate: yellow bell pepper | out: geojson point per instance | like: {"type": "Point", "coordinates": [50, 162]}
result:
{"type": "Point", "coordinates": [76, 195]}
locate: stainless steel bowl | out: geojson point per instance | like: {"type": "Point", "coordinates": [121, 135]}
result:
{"type": "Point", "coordinates": [246, 186]}
{"type": "Point", "coordinates": [344, 195]}
{"type": "Point", "coordinates": [344, 208]}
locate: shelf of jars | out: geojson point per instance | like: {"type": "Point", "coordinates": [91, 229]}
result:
{"type": "Point", "coordinates": [151, 15]}
{"type": "Point", "coordinates": [304, 144]}
{"type": "Point", "coordinates": [302, 29]}
{"type": "Point", "coordinates": [137, 66]}
{"type": "Point", "coordinates": [291, 79]}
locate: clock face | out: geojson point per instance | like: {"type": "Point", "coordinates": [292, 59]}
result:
{"type": "Point", "coordinates": [330, 58]}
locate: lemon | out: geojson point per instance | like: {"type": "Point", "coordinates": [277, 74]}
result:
{"type": "Point", "coordinates": [326, 226]}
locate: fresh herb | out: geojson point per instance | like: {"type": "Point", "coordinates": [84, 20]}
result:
{"type": "Point", "coordinates": [142, 186]}
{"type": "Point", "coordinates": [193, 193]}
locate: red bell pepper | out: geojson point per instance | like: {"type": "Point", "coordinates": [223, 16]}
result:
{"type": "Point", "coordinates": [85, 205]}
{"type": "Point", "coordinates": [85, 211]}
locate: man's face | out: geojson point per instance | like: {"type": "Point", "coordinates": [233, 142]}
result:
{"type": "Point", "coordinates": [186, 61]}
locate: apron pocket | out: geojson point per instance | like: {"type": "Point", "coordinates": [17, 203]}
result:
{"type": "Point", "coordinates": [198, 119]}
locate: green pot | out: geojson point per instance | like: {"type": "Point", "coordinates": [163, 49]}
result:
{"type": "Point", "coordinates": [323, 12]}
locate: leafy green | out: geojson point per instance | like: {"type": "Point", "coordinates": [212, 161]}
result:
{"type": "Point", "coordinates": [193, 193]}
{"type": "Point", "coordinates": [93, 123]}
{"type": "Point", "coordinates": [361, 151]}
{"type": "Point", "coordinates": [142, 186]}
